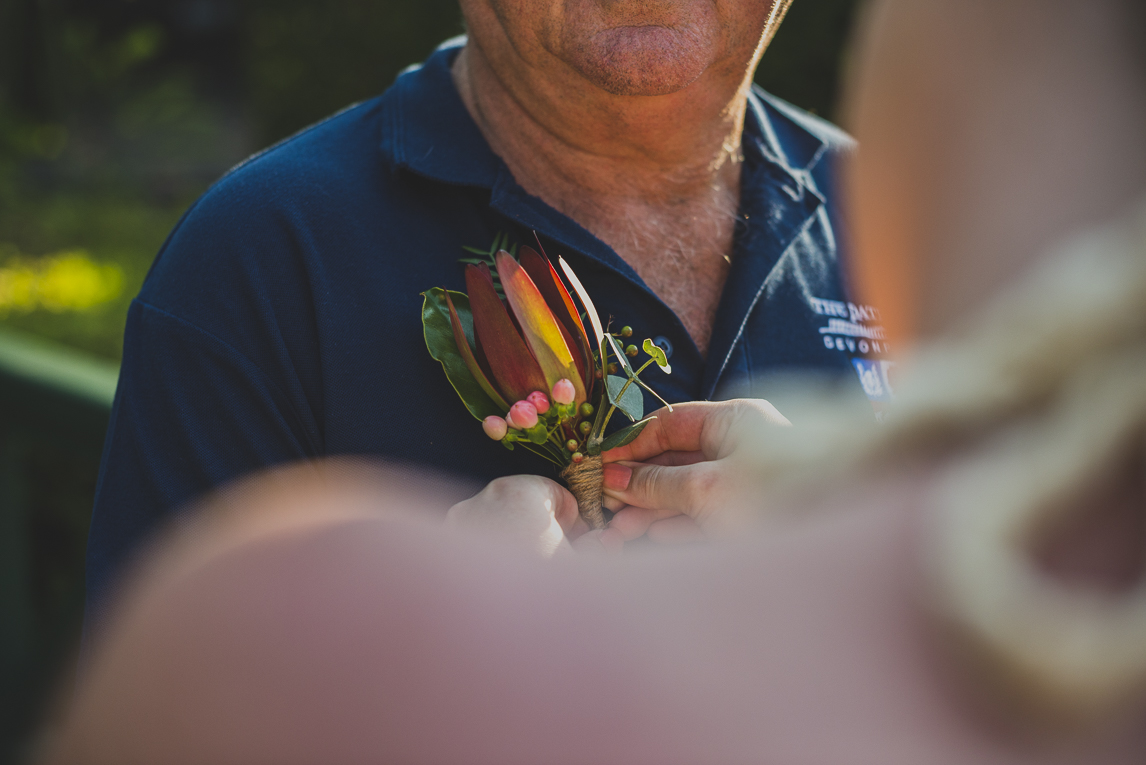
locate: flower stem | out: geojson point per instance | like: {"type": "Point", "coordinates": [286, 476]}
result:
{"type": "Point", "coordinates": [586, 482]}
{"type": "Point", "coordinates": [541, 453]}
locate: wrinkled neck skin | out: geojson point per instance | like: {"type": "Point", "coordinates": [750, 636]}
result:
{"type": "Point", "coordinates": [656, 177]}
{"type": "Point", "coordinates": [661, 149]}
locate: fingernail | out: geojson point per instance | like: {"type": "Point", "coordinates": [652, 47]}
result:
{"type": "Point", "coordinates": [617, 476]}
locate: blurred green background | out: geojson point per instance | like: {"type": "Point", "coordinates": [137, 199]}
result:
{"type": "Point", "coordinates": [114, 116]}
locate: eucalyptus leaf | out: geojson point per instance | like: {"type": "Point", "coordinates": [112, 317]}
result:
{"type": "Point", "coordinates": [621, 357]}
{"type": "Point", "coordinates": [658, 355]}
{"type": "Point", "coordinates": [625, 436]}
{"type": "Point", "coordinates": [632, 403]}
{"type": "Point", "coordinates": [440, 342]}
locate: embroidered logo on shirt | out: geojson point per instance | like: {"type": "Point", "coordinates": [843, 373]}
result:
{"type": "Point", "coordinates": [855, 330]}
{"type": "Point", "coordinates": [851, 328]}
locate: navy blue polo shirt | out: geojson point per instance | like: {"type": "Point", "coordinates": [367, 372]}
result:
{"type": "Point", "coordinates": [282, 318]}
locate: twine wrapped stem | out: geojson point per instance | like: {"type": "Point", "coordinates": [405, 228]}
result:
{"type": "Point", "coordinates": [586, 481]}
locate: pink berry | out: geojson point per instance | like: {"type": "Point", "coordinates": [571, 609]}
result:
{"type": "Point", "coordinates": [539, 400]}
{"type": "Point", "coordinates": [522, 415]}
{"type": "Point", "coordinates": [564, 392]}
{"type": "Point", "coordinates": [495, 427]}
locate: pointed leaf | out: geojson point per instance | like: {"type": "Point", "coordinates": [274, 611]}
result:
{"type": "Point", "coordinates": [625, 436]}
{"type": "Point", "coordinates": [590, 310]}
{"type": "Point", "coordinates": [658, 355]}
{"type": "Point", "coordinates": [621, 357]}
{"type": "Point", "coordinates": [632, 403]}
{"type": "Point", "coordinates": [561, 303]}
{"type": "Point", "coordinates": [513, 367]}
{"type": "Point", "coordinates": [540, 327]}
{"type": "Point", "coordinates": [463, 339]}
{"type": "Point", "coordinates": [443, 346]}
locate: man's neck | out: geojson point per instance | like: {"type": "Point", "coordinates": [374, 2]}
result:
{"type": "Point", "coordinates": [653, 147]}
{"type": "Point", "coordinates": [655, 177]}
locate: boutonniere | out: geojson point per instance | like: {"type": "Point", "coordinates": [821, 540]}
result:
{"type": "Point", "coordinates": [536, 370]}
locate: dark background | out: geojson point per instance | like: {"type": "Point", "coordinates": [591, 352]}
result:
{"type": "Point", "coordinates": [114, 116]}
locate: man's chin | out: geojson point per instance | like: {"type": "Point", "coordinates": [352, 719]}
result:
{"type": "Point", "coordinates": [644, 60]}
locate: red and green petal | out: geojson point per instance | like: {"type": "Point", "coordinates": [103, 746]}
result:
{"type": "Point", "coordinates": [541, 270]}
{"type": "Point", "coordinates": [514, 368]}
{"type": "Point", "coordinates": [541, 328]}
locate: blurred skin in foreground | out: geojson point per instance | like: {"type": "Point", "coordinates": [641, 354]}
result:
{"type": "Point", "coordinates": [316, 616]}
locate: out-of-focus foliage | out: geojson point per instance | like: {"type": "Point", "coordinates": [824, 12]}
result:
{"type": "Point", "coordinates": [107, 132]}
{"type": "Point", "coordinates": [65, 281]}
{"type": "Point", "coordinates": [306, 59]}
{"type": "Point", "coordinates": [116, 114]}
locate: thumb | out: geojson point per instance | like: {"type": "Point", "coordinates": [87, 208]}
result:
{"type": "Point", "coordinates": [668, 489]}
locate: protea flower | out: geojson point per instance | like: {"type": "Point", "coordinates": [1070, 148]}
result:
{"type": "Point", "coordinates": [532, 340]}
{"type": "Point", "coordinates": [526, 367]}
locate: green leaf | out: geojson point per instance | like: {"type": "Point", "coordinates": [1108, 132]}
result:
{"type": "Point", "coordinates": [632, 403]}
{"type": "Point", "coordinates": [658, 356]}
{"type": "Point", "coordinates": [625, 436]}
{"type": "Point", "coordinates": [621, 357]}
{"type": "Point", "coordinates": [440, 342]}
{"type": "Point", "coordinates": [465, 347]}
{"type": "Point", "coordinates": [538, 434]}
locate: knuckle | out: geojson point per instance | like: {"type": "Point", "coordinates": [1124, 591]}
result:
{"type": "Point", "coordinates": [703, 481]}
{"type": "Point", "coordinates": [649, 484]}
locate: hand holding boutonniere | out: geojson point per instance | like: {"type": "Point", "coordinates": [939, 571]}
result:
{"type": "Point", "coordinates": [517, 351]}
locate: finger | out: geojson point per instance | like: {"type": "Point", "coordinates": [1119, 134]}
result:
{"type": "Point", "coordinates": [579, 528]}
{"type": "Point", "coordinates": [612, 541]}
{"type": "Point", "coordinates": [698, 426]}
{"type": "Point", "coordinates": [612, 504]}
{"type": "Point", "coordinates": [618, 475]}
{"type": "Point", "coordinates": [684, 490]}
{"type": "Point", "coordinates": [680, 529]}
{"type": "Point", "coordinates": [678, 430]}
{"type": "Point", "coordinates": [565, 508]}
{"type": "Point", "coordinates": [598, 542]}
{"type": "Point", "coordinates": [633, 522]}
{"type": "Point", "coordinates": [676, 459]}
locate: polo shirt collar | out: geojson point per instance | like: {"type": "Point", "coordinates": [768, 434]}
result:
{"type": "Point", "coordinates": [428, 130]}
